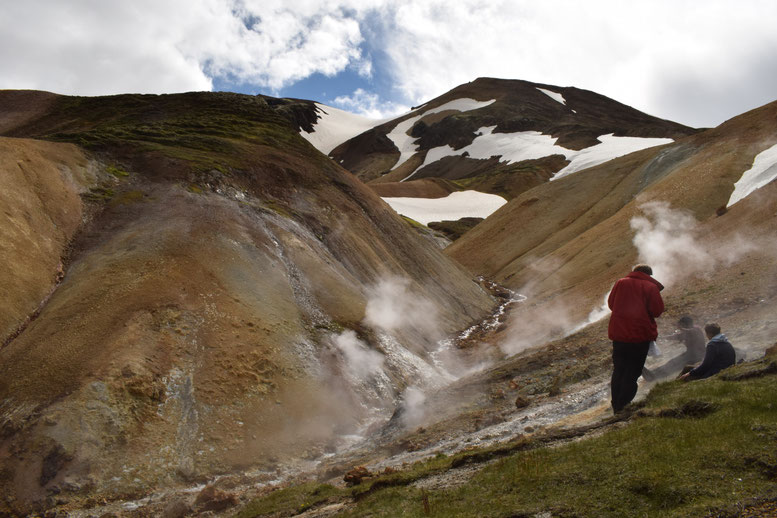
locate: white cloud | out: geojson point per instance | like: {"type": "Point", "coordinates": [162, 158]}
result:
{"type": "Point", "coordinates": [91, 47]}
{"type": "Point", "coordinates": [697, 63]}
{"type": "Point", "coordinates": [625, 50]}
{"type": "Point", "coordinates": [369, 105]}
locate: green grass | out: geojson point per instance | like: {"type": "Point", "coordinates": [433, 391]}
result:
{"type": "Point", "coordinates": [208, 129]}
{"type": "Point", "coordinates": [293, 500]}
{"type": "Point", "coordinates": [670, 460]}
{"type": "Point", "coordinates": [116, 171]}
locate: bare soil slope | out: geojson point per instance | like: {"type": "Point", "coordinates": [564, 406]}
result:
{"type": "Point", "coordinates": [210, 261]}
{"type": "Point", "coordinates": [42, 210]}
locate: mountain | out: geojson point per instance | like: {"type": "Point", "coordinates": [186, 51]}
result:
{"type": "Point", "coordinates": [565, 242]}
{"type": "Point", "coordinates": [198, 295]}
{"type": "Point", "coordinates": [194, 289]}
{"type": "Point", "coordinates": [502, 137]}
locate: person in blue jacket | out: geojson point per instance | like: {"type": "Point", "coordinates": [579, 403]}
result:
{"type": "Point", "coordinates": [719, 355]}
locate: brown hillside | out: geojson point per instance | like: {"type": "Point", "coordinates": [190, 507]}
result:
{"type": "Point", "coordinates": [567, 241]}
{"type": "Point", "coordinates": [192, 333]}
{"type": "Point", "coordinates": [427, 188]}
{"type": "Point", "coordinates": [42, 211]}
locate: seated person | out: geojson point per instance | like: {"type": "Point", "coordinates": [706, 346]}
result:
{"type": "Point", "coordinates": [693, 338]}
{"type": "Point", "coordinates": [718, 356]}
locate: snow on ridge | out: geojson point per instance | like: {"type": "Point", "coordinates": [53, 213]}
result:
{"type": "Point", "coordinates": [528, 145]}
{"type": "Point", "coordinates": [406, 144]}
{"type": "Point", "coordinates": [553, 95]}
{"type": "Point", "coordinates": [457, 205]}
{"type": "Point", "coordinates": [512, 147]}
{"type": "Point", "coordinates": [335, 126]}
{"type": "Point", "coordinates": [763, 171]}
{"type": "Point", "coordinates": [610, 147]}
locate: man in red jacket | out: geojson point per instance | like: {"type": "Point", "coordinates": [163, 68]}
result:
{"type": "Point", "coordinates": [635, 302]}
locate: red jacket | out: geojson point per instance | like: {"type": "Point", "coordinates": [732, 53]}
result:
{"type": "Point", "coordinates": [635, 302]}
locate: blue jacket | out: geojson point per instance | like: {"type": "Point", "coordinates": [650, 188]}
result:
{"type": "Point", "coordinates": [719, 355]}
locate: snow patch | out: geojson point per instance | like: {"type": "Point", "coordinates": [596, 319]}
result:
{"type": "Point", "coordinates": [528, 145]}
{"type": "Point", "coordinates": [335, 126]}
{"type": "Point", "coordinates": [610, 147]}
{"type": "Point", "coordinates": [453, 207]}
{"type": "Point", "coordinates": [553, 95]}
{"type": "Point", "coordinates": [406, 144]}
{"type": "Point", "coordinates": [764, 170]}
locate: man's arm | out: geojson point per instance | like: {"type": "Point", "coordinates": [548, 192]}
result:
{"type": "Point", "coordinates": [655, 304]}
{"type": "Point", "coordinates": [611, 297]}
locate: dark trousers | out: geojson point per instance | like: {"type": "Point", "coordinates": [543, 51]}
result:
{"type": "Point", "coordinates": [627, 362]}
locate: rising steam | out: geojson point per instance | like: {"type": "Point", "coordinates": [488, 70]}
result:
{"type": "Point", "coordinates": [669, 241]}
{"type": "Point", "coordinates": [392, 307]}
{"type": "Point", "coordinates": [360, 360]}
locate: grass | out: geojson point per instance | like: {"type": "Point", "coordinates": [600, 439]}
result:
{"type": "Point", "coordinates": [116, 171]}
{"type": "Point", "coordinates": [295, 500]}
{"type": "Point", "coordinates": [670, 460]}
{"type": "Point", "coordinates": [207, 129]}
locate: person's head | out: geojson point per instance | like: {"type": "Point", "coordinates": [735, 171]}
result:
{"type": "Point", "coordinates": [712, 329]}
{"type": "Point", "coordinates": [685, 322]}
{"type": "Point", "coordinates": [643, 268]}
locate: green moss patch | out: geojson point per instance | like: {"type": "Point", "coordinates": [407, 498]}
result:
{"type": "Point", "coordinates": [293, 500]}
{"type": "Point", "coordinates": [116, 171]}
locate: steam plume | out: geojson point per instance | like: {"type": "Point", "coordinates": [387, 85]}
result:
{"type": "Point", "coordinates": [392, 307]}
{"type": "Point", "coordinates": [359, 359]}
{"type": "Point", "coordinates": [668, 240]}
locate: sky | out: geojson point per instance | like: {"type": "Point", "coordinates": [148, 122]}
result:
{"type": "Point", "coordinates": [697, 62]}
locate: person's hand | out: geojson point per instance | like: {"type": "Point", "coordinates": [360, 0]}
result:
{"type": "Point", "coordinates": [685, 377]}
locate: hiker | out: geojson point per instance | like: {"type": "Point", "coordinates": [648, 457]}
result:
{"type": "Point", "coordinates": [719, 355]}
{"type": "Point", "coordinates": [636, 302]}
{"type": "Point", "coordinates": [693, 338]}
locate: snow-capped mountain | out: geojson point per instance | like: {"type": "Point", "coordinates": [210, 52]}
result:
{"type": "Point", "coordinates": [503, 136]}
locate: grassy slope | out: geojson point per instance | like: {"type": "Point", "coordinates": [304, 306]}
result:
{"type": "Point", "coordinates": [693, 448]}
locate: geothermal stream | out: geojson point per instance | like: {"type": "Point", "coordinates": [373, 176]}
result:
{"type": "Point", "coordinates": [580, 397]}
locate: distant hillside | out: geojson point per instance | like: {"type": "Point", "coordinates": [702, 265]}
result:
{"type": "Point", "coordinates": [565, 242]}
{"type": "Point", "coordinates": [502, 136]}
{"type": "Point", "coordinates": [187, 282]}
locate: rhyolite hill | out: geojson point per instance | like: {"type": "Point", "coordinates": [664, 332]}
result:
{"type": "Point", "coordinates": [176, 271]}
{"type": "Point", "coordinates": [177, 267]}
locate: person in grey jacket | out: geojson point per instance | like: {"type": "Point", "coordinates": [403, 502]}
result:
{"type": "Point", "coordinates": [719, 355]}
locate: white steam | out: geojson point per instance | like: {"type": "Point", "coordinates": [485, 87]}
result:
{"type": "Point", "coordinates": [359, 359]}
{"type": "Point", "coordinates": [393, 307]}
{"type": "Point", "coordinates": [669, 241]}
{"type": "Point", "coordinates": [406, 352]}
{"type": "Point", "coordinates": [537, 325]}
{"type": "Point", "coordinates": [413, 411]}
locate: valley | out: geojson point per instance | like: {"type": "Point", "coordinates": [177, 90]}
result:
{"type": "Point", "coordinates": [214, 306]}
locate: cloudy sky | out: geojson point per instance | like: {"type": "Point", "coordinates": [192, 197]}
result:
{"type": "Point", "coordinates": [697, 62]}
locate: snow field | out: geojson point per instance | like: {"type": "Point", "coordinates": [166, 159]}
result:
{"type": "Point", "coordinates": [335, 126]}
{"type": "Point", "coordinates": [528, 145]}
{"type": "Point", "coordinates": [406, 144]}
{"type": "Point", "coordinates": [764, 170]}
{"type": "Point", "coordinates": [453, 207]}
{"type": "Point", "coordinates": [610, 147]}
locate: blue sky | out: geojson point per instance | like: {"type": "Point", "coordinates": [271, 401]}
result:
{"type": "Point", "coordinates": [698, 63]}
